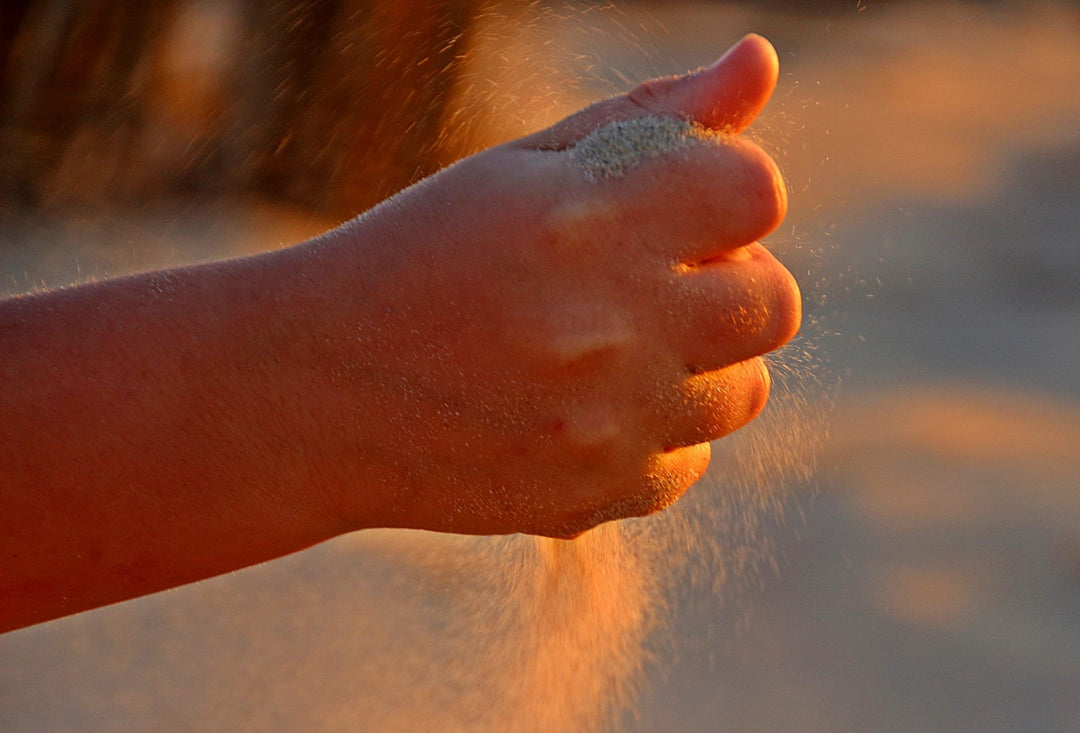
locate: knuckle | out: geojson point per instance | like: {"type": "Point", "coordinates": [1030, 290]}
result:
{"type": "Point", "coordinates": [595, 435]}
{"type": "Point", "coordinates": [647, 95]}
{"type": "Point", "coordinates": [577, 226]}
{"type": "Point", "coordinates": [577, 334]}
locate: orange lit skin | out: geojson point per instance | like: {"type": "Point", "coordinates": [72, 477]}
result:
{"type": "Point", "coordinates": [507, 346]}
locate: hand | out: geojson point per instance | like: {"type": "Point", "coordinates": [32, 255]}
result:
{"type": "Point", "coordinates": [525, 343]}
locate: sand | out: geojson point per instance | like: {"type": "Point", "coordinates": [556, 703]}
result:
{"type": "Point", "coordinates": [614, 149]}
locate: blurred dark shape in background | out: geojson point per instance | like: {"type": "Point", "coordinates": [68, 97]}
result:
{"type": "Point", "coordinates": [329, 105]}
{"type": "Point", "coordinates": [326, 105]}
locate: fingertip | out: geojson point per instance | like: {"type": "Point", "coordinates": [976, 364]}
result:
{"type": "Point", "coordinates": [764, 186]}
{"type": "Point", "coordinates": [676, 470]}
{"type": "Point", "coordinates": [690, 461]}
{"type": "Point", "coordinates": [732, 91]}
{"type": "Point", "coordinates": [764, 55]}
{"type": "Point", "coordinates": [752, 44]}
{"type": "Point", "coordinates": [786, 310]}
{"type": "Point", "coordinates": [754, 388]}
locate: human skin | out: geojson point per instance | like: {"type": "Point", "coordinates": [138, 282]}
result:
{"type": "Point", "coordinates": [508, 346]}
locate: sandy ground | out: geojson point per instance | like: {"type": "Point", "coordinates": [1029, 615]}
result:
{"type": "Point", "coordinates": [933, 582]}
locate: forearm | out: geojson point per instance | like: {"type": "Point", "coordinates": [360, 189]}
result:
{"type": "Point", "coordinates": [153, 434]}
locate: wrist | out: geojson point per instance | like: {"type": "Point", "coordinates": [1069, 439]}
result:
{"type": "Point", "coordinates": [321, 398]}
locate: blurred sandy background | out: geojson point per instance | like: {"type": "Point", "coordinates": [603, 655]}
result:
{"type": "Point", "coordinates": [933, 154]}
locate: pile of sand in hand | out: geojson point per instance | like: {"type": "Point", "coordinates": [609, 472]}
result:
{"type": "Point", "coordinates": [613, 150]}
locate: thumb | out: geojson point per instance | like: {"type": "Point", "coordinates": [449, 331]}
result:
{"type": "Point", "coordinates": [725, 97]}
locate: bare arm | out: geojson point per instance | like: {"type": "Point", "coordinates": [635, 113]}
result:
{"type": "Point", "coordinates": [152, 434]}
{"type": "Point", "coordinates": [511, 345]}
